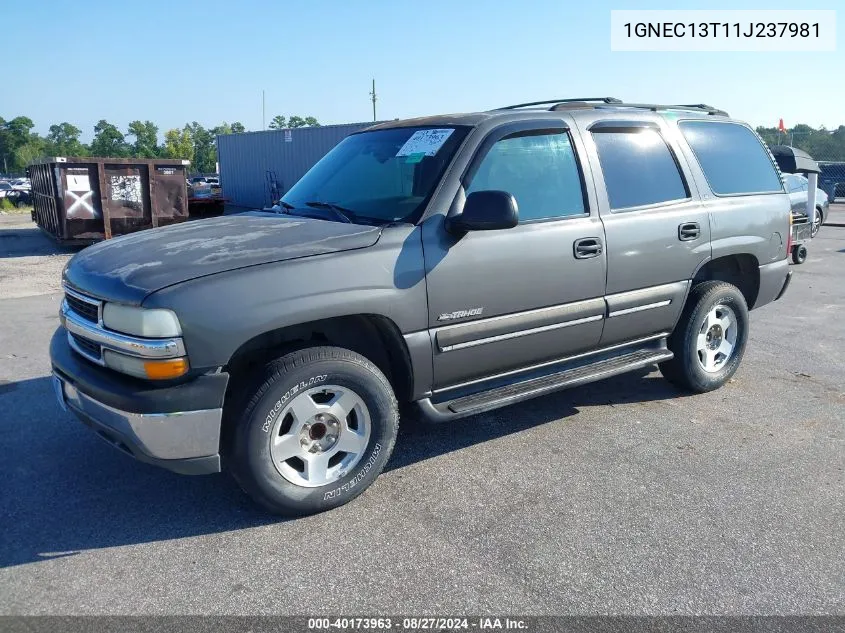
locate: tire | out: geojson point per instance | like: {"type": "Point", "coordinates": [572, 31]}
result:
{"type": "Point", "coordinates": [723, 306]}
{"type": "Point", "coordinates": [310, 404]}
{"type": "Point", "coordinates": [799, 254]}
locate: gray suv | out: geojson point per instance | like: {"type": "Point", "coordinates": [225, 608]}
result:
{"type": "Point", "coordinates": [454, 264]}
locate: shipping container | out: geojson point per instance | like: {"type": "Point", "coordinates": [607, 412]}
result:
{"type": "Point", "coordinates": [83, 200]}
{"type": "Point", "coordinates": [257, 168]}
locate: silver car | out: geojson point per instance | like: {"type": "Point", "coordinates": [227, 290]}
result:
{"type": "Point", "coordinates": [797, 185]}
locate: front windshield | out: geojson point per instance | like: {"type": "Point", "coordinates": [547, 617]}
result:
{"type": "Point", "coordinates": [379, 176]}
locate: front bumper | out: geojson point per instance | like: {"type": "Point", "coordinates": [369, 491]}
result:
{"type": "Point", "coordinates": [176, 427]}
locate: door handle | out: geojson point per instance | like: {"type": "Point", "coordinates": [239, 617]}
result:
{"type": "Point", "coordinates": [588, 247]}
{"type": "Point", "coordinates": [689, 231]}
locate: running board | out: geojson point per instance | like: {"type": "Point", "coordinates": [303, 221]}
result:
{"type": "Point", "coordinates": [517, 392]}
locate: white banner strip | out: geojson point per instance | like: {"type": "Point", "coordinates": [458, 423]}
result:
{"type": "Point", "coordinates": [723, 30]}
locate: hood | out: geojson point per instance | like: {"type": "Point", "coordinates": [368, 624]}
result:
{"type": "Point", "coordinates": [129, 268]}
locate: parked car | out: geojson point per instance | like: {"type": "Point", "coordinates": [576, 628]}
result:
{"type": "Point", "coordinates": [797, 186]}
{"type": "Point", "coordinates": [5, 188]}
{"type": "Point", "coordinates": [21, 183]}
{"type": "Point", "coordinates": [450, 264]}
{"type": "Point", "coordinates": [19, 197]}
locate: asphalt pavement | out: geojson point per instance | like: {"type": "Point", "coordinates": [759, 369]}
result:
{"type": "Point", "coordinates": [621, 497]}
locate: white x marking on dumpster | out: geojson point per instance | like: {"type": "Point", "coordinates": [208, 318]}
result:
{"type": "Point", "coordinates": [80, 201]}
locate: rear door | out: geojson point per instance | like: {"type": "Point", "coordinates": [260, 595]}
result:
{"type": "Point", "coordinates": [508, 299]}
{"type": "Point", "coordinates": [657, 230]}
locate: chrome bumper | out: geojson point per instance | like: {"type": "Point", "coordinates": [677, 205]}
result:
{"type": "Point", "coordinates": [185, 442]}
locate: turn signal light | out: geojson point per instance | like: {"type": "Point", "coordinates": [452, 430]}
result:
{"type": "Point", "coordinates": [164, 369]}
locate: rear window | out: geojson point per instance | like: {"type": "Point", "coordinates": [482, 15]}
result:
{"type": "Point", "coordinates": [639, 169]}
{"type": "Point", "coordinates": [732, 158]}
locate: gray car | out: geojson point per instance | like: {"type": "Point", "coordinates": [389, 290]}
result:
{"type": "Point", "coordinates": [797, 185]}
{"type": "Point", "coordinates": [447, 265]}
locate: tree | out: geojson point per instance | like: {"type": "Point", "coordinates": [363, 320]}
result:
{"type": "Point", "coordinates": [32, 150]}
{"type": "Point", "coordinates": [238, 128]}
{"type": "Point", "coordinates": [63, 140]}
{"type": "Point", "coordinates": [279, 122]}
{"type": "Point", "coordinates": [108, 141]}
{"type": "Point", "coordinates": [179, 144]}
{"type": "Point", "coordinates": [146, 139]}
{"type": "Point", "coordinates": [205, 152]}
{"type": "Point", "coordinates": [15, 134]}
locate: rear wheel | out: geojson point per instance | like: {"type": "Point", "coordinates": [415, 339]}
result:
{"type": "Point", "coordinates": [709, 340]}
{"type": "Point", "coordinates": [318, 430]}
{"type": "Point", "coordinates": [799, 254]}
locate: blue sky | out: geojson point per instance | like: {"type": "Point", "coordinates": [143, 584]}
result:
{"type": "Point", "coordinates": [178, 61]}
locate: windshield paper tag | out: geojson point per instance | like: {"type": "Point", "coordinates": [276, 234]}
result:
{"type": "Point", "coordinates": [425, 142]}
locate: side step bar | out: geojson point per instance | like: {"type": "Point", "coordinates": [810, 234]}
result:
{"type": "Point", "coordinates": [519, 391]}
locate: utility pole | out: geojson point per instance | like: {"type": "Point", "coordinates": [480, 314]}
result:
{"type": "Point", "coordinates": [263, 113]}
{"type": "Point", "coordinates": [373, 99]}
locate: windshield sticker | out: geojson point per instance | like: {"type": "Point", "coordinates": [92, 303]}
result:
{"type": "Point", "coordinates": [415, 158]}
{"type": "Point", "coordinates": [425, 142]}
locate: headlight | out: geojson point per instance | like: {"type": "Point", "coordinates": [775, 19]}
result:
{"type": "Point", "coordinates": [146, 368]}
{"type": "Point", "coordinates": [155, 323]}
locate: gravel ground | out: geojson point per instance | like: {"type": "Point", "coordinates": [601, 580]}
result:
{"type": "Point", "coordinates": [622, 497]}
{"type": "Point", "coordinates": [30, 264]}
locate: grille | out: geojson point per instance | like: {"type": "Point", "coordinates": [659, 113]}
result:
{"type": "Point", "coordinates": [89, 347]}
{"type": "Point", "coordinates": [87, 310]}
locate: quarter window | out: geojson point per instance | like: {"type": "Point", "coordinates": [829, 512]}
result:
{"type": "Point", "coordinates": [732, 158]}
{"type": "Point", "coordinates": [639, 168]}
{"type": "Point", "coordinates": [541, 171]}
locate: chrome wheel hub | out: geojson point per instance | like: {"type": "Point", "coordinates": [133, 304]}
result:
{"type": "Point", "coordinates": [320, 435]}
{"type": "Point", "coordinates": [716, 338]}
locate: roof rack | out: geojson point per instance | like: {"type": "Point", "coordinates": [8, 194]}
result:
{"type": "Point", "coordinates": [612, 102]}
{"type": "Point", "coordinates": [556, 101]}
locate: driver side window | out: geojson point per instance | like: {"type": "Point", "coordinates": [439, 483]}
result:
{"type": "Point", "coordinates": [539, 168]}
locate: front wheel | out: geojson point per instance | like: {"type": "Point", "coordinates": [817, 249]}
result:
{"type": "Point", "coordinates": [709, 340]}
{"type": "Point", "coordinates": [799, 254]}
{"type": "Point", "coordinates": [319, 429]}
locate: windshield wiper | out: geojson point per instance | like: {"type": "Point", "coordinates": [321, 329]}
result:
{"type": "Point", "coordinates": [346, 215]}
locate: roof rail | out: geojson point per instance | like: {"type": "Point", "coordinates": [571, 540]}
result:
{"type": "Point", "coordinates": [654, 107]}
{"type": "Point", "coordinates": [612, 102]}
{"type": "Point", "coordinates": [556, 101]}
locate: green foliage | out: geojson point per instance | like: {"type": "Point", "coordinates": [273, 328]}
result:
{"type": "Point", "coordinates": [30, 151]}
{"type": "Point", "coordinates": [14, 135]}
{"type": "Point", "coordinates": [146, 139]}
{"type": "Point", "coordinates": [279, 122]}
{"type": "Point", "coordinates": [19, 146]}
{"type": "Point", "coordinates": [6, 205]}
{"type": "Point", "coordinates": [109, 141]}
{"type": "Point", "coordinates": [63, 140]}
{"type": "Point", "coordinates": [820, 143]}
{"type": "Point", "coordinates": [179, 144]}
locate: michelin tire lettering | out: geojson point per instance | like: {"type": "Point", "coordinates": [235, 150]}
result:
{"type": "Point", "coordinates": [281, 402]}
{"type": "Point", "coordinates": [349, 485]}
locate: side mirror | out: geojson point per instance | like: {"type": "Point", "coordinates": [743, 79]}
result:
{"type": "Point", "coordinates": [486, 211]}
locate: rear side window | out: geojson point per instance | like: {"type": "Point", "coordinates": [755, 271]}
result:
{"type": "Point", "coordinates": [539, 168]}
{"type": "Point", "coordinates": [639, 168]}
{"type": "Point", "coordinates": [732, 158]}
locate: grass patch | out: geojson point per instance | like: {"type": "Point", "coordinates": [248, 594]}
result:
{"type": "Point", "coordinates": [7, 208]}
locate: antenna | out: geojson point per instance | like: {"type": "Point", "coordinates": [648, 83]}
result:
{"type": "Point", "coordinates": [373, 98]}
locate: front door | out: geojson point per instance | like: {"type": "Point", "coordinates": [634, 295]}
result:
{"type": "Point", "coordinates": [503, 300]}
